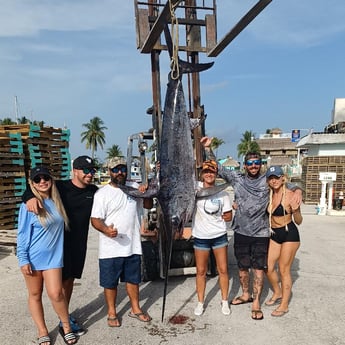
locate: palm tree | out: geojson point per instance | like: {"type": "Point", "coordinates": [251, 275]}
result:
{"type": "Point", "coordinates": [114, 151]}
{"type": "Point", "coordinates": [247, 144]}
{"type": "Point", "coordinates": [216, 143]}
{"type": "Point", "coordinates": [94, 135]}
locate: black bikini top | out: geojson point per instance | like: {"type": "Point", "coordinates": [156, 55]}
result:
{"type": "Point", "coordinates": [279, 211]}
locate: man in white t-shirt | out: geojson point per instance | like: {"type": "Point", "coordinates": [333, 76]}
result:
{"type": "Point", "coordinates": [117, 217]}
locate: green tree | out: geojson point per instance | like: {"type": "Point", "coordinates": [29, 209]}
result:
{"type": "Point", "coordinates": [114, 151]}
{"type": "Point", "coordinates": [38, 123]}
{"type": "Point", "coordinates": [7, 121]}
{"type": "Point", "coordinates": [97, 161]}
{"type": "Point", "coordinates": [23, 120]}
{"type": "Point", "coordinates": [94, 135]}
{"type": "Point", "coordinates": [215, 144]}
{"type": "Point", "coordinates": [247, 144]}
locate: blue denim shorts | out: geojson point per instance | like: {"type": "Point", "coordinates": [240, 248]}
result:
{"type": "Point", "coordinates": [210, 243]}
{"type": "Point", "coordinates": [128, 269]}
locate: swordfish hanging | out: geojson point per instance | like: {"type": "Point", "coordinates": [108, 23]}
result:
{"type": "Point", "coordinates": [175, 189]}
{"type": "Point", "coordinates": [176, 194]}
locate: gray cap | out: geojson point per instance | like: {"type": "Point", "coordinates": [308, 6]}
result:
{"type": "Point", "coordinates": [113, 162]}
{"type": "Point", "coordinates": [274, 170]}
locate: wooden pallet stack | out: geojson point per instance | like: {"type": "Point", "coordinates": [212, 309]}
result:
{"type": "Point", "coordinates": [44, 146]}
{"type": "Point", "coordinates": [21, 148]}
{"type": "Point", "coordinates": [312, 166]}
{"type": "Point", "coordinates": [12, 178]}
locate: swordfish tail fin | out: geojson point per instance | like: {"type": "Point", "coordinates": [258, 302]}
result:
{"type": "Point", "coordinates": [188, 67]}
{"type": "Point", "coordinates": [185, 67]}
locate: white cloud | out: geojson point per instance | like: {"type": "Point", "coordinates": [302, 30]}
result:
{"type": "Point", "coordinates": [292, 22]}
{"type": "Point", "coordinates": [29, 17]}
{"type": "Point", "coordinates": [69, 60]}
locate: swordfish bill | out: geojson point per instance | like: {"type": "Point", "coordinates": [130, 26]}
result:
{"type": "Point", "coordinates": [176, 194]}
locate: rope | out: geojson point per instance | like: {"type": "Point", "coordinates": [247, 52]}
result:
{"type": "Point", "coordinates": [175, 70]}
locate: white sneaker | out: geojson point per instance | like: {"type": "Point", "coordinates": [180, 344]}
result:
{"type": "Point", "coordinates": [225, 308]}
{"type": "Point", "coordinates": [199, 309]}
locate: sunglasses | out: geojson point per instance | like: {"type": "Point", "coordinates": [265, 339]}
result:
{"type": "Point", "coordinates": [87, 171]}
{"type": "Point", "coordinates": [38, 178]}
{"type": "Point", "coordinates": [117, 170]}
{"type": "Point", "coordinates": [212, 207]}
{"type": "Point", "coordinates": [251, 162]}
{"type": "Point", "coordinates": [208, 171]}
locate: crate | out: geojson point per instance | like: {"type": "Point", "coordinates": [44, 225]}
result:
{"type": "Point", "coordinates": [311, 168]}
{"type": "Point", "coordinates": [336, 159]}
{"type": "Point", "coordinates": [317, 160]}
{"type": "Point", "coordinates": [21, 148]}
{"type": "Point", "coordinates": [9, 208]}
{"type": "Point", "coordinates": [307, 169]}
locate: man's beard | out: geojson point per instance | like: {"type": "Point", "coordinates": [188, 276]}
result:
{"type": "Point", "coordinates": [116, 180]}
{"type": "Point", "coordinates": [256, 175]}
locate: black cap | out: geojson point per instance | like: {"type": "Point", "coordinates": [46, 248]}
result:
{"type": "Point", "coordinates": [39, 170]}
{"type": "Point", "coordinates": [82, 162]}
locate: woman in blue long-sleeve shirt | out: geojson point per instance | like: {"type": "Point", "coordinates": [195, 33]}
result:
{"type": "Point", "coordinates": [40, 253]}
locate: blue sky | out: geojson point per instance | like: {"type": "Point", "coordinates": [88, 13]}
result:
{"type": "Point", "coordinates": [69, 61]}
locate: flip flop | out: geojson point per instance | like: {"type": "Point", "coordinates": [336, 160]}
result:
{"type": "Point", "coordinates": [111, 321]}
{"type": "Point", "coordinates": [272, 302]}
{"type": "Point", "coordinates": [242, 301]}
{"type": "Point", "coordinates": [138, 316]}
{"type": "Point", "coordinates": [279, 313]}
{"type": "Point", "coordinates": [256, 313]}
{"type": "Point", "coordinates": [69, 338]}
{"type": "Point", "coordinates": [44, 339]}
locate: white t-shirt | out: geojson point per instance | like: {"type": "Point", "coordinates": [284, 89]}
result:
{"type": "Point", "coordinates": [208, 222]}
{"type": "Point", "coordinates": [115, 207]}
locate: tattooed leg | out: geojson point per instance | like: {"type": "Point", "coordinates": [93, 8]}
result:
{"type": "Point", "coordinates": [258, 284]}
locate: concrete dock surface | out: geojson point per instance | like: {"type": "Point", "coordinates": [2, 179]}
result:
{"type": "Point", "coordinates": [316, 312]}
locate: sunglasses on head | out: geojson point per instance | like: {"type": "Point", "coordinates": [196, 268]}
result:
{"type": "Point", "coordinates": [38, 178]}
{"type": "Point", "coordinates": [116, 170]}
{"type": "Point", "coordinates": [87, 171]}
{"type": "Point", "coordinates": [251, 162]}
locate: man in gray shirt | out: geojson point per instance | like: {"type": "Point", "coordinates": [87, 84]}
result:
{"type": "Point", "coordinates": [250, 225]}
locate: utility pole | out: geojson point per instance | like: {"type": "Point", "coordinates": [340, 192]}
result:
{"type": "Point", "coordinates": [16, 108]}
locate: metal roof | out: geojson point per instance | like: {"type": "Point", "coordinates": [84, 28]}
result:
{"type": "Point", "coordinates": [322, 138]}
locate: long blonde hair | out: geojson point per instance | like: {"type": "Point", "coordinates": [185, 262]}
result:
{"type": "Point", "coordinates": [270, 205]}
{"type": "Point", "coordinates": [43, 214]}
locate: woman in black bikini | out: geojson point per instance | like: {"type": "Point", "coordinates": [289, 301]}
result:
{"type": "Point", "coordinates": [284, 242]}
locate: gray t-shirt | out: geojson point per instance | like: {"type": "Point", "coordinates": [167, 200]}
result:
{"type": "Point", "coordinates": [251, 197]}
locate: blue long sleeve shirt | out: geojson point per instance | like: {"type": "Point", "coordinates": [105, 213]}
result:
{"type": "Point", "coordinates": [41, 247]}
